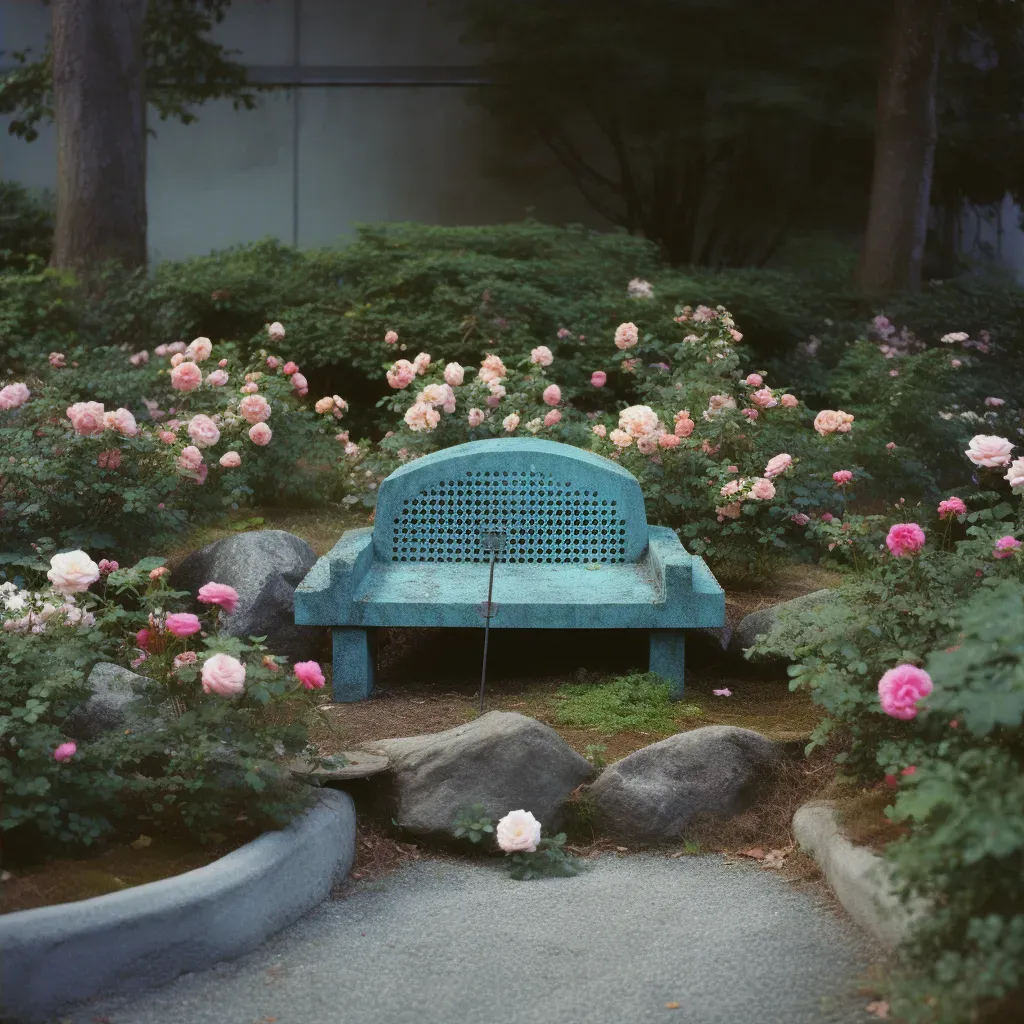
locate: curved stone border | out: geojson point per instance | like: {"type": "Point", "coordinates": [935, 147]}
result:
{"type": "Point", "coordinates": [148, 935]}
{"type": "Point", "coordinates": [861, 879]}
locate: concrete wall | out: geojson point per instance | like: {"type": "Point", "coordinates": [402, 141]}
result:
{"type": "Point", "coordinates": [995, 236]}
{"type": "Point", "coordinates": [311, 162]}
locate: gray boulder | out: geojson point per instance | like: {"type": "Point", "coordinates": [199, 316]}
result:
{"type": "Point", "coordinates": [265, 567]}
{"type": "Point", "coordinates": [763, 621]}
{"type": "Point", "coordinates": [113, 704]}
{"type": "Point", "coordinates": [654, 793]}
{"type": "Point", "coordinates": [501, 760]}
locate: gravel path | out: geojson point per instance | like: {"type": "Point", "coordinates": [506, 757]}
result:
{"type": "Point", "coordinates": [464, 944]}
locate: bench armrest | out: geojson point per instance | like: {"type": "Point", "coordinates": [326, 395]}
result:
{"type": "Point", "coordinates": [672, 563]}
{"type": "Point", "coordinates": [334, 579]}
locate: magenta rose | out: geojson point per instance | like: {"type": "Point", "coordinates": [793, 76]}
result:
{"type": "Point", "coordinates": [219, 594]}
{"type": "Point", "coordinates": [308, 673]}
{"type": "Point", "coordinates": [182, 623]}
{"type": "Point", "coordinates": [905, 539]}
{"type": "Point", "coordinates": [901, 688]}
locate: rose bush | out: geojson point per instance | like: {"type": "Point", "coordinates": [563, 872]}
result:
{"type": "Point", "coordinates": [203, 747]}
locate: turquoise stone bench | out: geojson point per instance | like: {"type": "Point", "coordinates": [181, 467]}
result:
{"type": "Point", "coordinates": [578, 554]}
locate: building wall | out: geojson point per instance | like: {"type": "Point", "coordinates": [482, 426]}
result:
{"type": "Point", "coordinates": [994, 236]}
{"type": "Point", "coordinates": [312, 162]}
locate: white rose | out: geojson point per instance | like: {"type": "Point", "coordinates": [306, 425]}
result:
{"type": "Point", "coordinates": [990, 451]}
{"type": "Point", "coordinates": [518, 832]}
{"type": "Point", "coordinates": [1015, 475]}
{"type": "Point", "coordinates": [72, 572]}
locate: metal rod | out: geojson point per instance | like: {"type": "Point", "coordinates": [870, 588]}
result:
{"type": "Point", "coordinates": [487, 627]}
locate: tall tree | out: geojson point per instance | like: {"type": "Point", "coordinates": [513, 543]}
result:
{"type": "Point", "coordinates": [105, 62]}
{"type": "Point", "coordinates": [906, 132]}
{"type": "Point", "coordinates": [98, 83]}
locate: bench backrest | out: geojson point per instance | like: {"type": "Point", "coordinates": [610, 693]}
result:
{"type": "Point", "coordinates": [553, 503]}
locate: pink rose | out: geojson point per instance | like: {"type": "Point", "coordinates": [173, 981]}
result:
{"type": "Point", "coordinates": [905, 539]}
{"type": "Point", "coordinates": [203, 431]}
{"type": "Point", "coordinates": [219, 594]}
{"type": "Point", "coordinates": [995, 403]}
{"type": "Point", "coordinates": [167, 437]}
{"type": "Point", "coordinates": [191, 458]}
{"type": "Point", "coordinates": [161, 570]}
{"type": "Point", "coordinates": [764, 398]}
{"type": "Point", "coordinates": [601, 430]}
{"type": "Point", "coordinates": [901, 688]}
{"type": "Point", "coordinates": [989, 451]}
{"type": "Point", "coordinates": [751, 414]}
{"type": "Point", "coordinates": [552, 394]}
{"type": "Point", "coordinates": [541, 356]}
{"type": "Point", "coordinates": [1005, 547]}
{"type": "Point", "coordinates": [56, 360]}
{"type": "Point", "coordinates": [647, 444]}
{"type": "Point", "coordinates": [800, 519]}
{"type": "Point", "coordinates": [475, 417]}
{"type": "Point", "coordinates": [13, 396]}
{"type": "Point", "coordinates": [762, 489]}
{"type": "Point", "coordinates": [668, 441]}
{"type": "Point", "coordinates": [401, 375]}
{"type": "Point", "coordinates": [110, 459]}
{"type": "Point", "coordinates": [223, 675]}
{"type": "Point", "coordinates": [626, 336]}
{"type": "Point", "coordinates": [186, 377]}
{"type": "Point", "coordinates": [454, 375]}
{"type": "Point", "coordinates": [842, 476]}
{"type": "Point", "coordinates": [831, 421]}
{"type": "Point", "coordinates": [731, 511]}
{"type": "Point", "coordinates": [231, 460]}
{"type": "Point", "coordinates": [684, 425]}
{"type": "Point", "coordinates": [827, 517]}
{"type": "Point", "coordinates": [275, 331]}
{"type": "Point", "coordinates": [273, 362]}
{"type": "Point", "coordinates": [223, 362]}
{"type": "Point", "coordinates": [552, 418]}
{"type": "Point", "coordinates": [65, 752]}
{"type": "Point", "coordinates": [300, 384]}
{"type": "Point", "coordinates": [260, 433]}
{"type": "Point", "coordinates": [309, 674]}
{"type": "Point", "coordinates": [217, 379]}
{"type": "Point", "coordinates": [951, 507]}
{"type": "Point", "coordinates": [182, 624]}
{"type": "Point", "coordinates": [87, 418]}
{"type": "Point", "coordinates": [254, 409]}
{"type": "Point", "coordinates": [891, 445]}
{"type": "Point", "coordinates": [422, 363]}
{"type": "Point", "coordinates": [177, 359]}
{"type": "Point", "coordinates": [185, 658]}
{"type": "Point", "coordinates": [289, 368]}
{"type": "Point", "coordinates": [199, 349]}
{"type": "Point", "coordinates": [391, 338]}
{"type": "Point", "coordinates": [107, 567]}
{"type": "Point", "coordinates": [599, 378]}
{"type": "Point", "coordinates": [510, 422]}
{"type": "Point", "coordinates": [789, 401]}
{"type": "Point", "coordinates": [777, 465]}
{"type": "Point", "coordinates": [754, 380]}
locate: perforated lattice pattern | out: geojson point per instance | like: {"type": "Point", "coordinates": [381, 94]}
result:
{"type": "Point", "coordinates": [544, 519]}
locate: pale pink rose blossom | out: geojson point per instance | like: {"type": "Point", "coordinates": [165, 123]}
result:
{"type": "Point", "coordinates": [900, 689]}
{"type": "Point", "coordinates": [497, 389]}
{"type": "Point", "coordinates": [203, 431]}
{"type": "Point", "coordinates": [1015, 474]}
{"type": "Point", "coordinates": [647, 444]}
{"type": "Point", "coordinates": [842, 476]}
{"type": "Point", "coordinates": [186, 377]}
{"type": "Point", "coordinates": [989, 451]}
{"type": "Point", "coordinates": [995, 403]}
{"type": "Point", "coordinates": [626, 336]}
{"type": "Point", "coordinates": [762, 489]}
{"type": "Point", "coordinates": [254, 409]}
{"type": "Point", "coordinates": [177, 359]}
{"type": "Point", "coordinates": [217, 379]}
{"type": "Point", "coordinates": [160, 570]}
{"type": "Point", "coordinates": [122, 421]}
{"type": "Point", "coordinates": [800, 519]}
{"type": "Point", "coordinates": [736, 336]}
{"type": "Point", "coordinates": [275, 330]}
{"type": "Point", "coordinates": [552, 418]}
{"type": "Point", "coordinates": [789, 401]}
{"type": "Point", "coordinates": [952, 507]}
{"type": "Point", "coordinates": [731, 487]}
{"type": "Point", "coordinates": [391, 338]}
{"type": "Point", "coordinates": [1005, 547]}
{"type": "Point", "coordinates": [65, 752]}
{"type": "Point", "coordinates": [475, 417]}
{"type": "Point", "coordinates": [684, 425]}
{"type": "Point", "coordinates": [905, 539]}
{"type": "Point", "coordinates": [831, 421]}
{"type": "Point", "coordinates": [668, 441]}
{"type": "Point", "coordinates": [639, 289]}
{"type": "Point", "coordinates": [552, 394]}
{"type": "Point", "coordinates": [731, 511]}
{"type": "Point", "coordinates": [491, 369]}
{"type": "Point", "coordinates": [13, 396]}
{"type": "Point", "coordinates": [139, 358]}
{"type": "Point", "coordinates": [223, 362]}
{"type": "Point", "coordinates": [600, 430]}
{"type": "Point", "coordinates": [955, 363]}
{"type": "Point", "coordinates": [72, 572]}
{"type": "Point", "coordinates": [185, 658]}
{"type": "Point", "coordinates": [891, 445]}
{"type": "Point", "coordinates": [541, 356]}
{"type": "Point", "coordinates": [351, 448]}
{"type": "Point", "coordinates": [422, 363]}
{"type": "Point", "coordinates": [167, 437]}
{"type": "Point", "coordinates": [250, 388]}
{"type": "Point", "coordinates": [620, 438]}
{"type": "Point", "coordinates": [289, 368]}
{"type": "Point", "coordinates": [777, 465]}
{"type": "Point", "coordinates": [223, 675]}
{"type": "Point", "coordinates": [191, 458]}
{"type": "Point", "coordinates": [56, 360]}
{"type": "Point", "coordinates": [199, 349]}
{"type": "Point", "coordinates": [638, 420]}
{"type": "Point", "coordinates": [493, 402]}
{"type": "Point", "coordinates": [260, 433]}
{"type": "Point", "coordinates": [87, 418]}
{"type": "Point", "coordinates": [755, 380]}
{"type": "Point", "coordinates": [751, 414]}
{"type": "Point", "coordinates": [310, 675]}
{"type": "Point", "coordinates": [599, 378]}
{"type": "Point", "coordinates": [723, 692]}
{"type": "Point", "coordinates": [764, 398]}
{"type": "Point", "coordinates": [300, 384]}
{"type": "Point", "coordinates": [510, 422]}
{"type": "Point", "coordinates": [518, 832]}
{"type": "Point", "coordinates": [231, 460]}
{"type": "Point", "coordinates": [324, 405]}
{"type": "Point", "coordinates": [106, 567]}
{"type": "Point", "coordinates": [401, 374]}
{"type": "Point", "coordinates": [273, 362]}
{"type": "Point", "coordinates": [454, 375]}
{"type": "Point", "coordinates": [422, 417]}
{"type": "Point", "coordinates": [437, 394]}
{"type": "Point", "coordinates": [182, 624]}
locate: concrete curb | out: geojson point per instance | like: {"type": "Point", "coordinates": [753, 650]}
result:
{"type": "Point", "coordinates": [148, 935]}
{"type": "Point", "coordinates": [861, 879]}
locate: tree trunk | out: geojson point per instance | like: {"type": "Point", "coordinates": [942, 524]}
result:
{"type": "Point", "coordinates": [100, 106]}
{"type": "Point", "coordinates": [905, 136]}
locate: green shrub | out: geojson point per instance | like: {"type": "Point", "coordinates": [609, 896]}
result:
{"type": "Point", "coordinates": [26, 226]}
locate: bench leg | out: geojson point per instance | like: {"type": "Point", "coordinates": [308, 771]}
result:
{"type": "Point", "coordinates": [354, 664]}
{"type": "Point", "coordinates": [668, 658]}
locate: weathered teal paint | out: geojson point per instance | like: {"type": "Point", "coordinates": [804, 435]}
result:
{"type": "Point", "coordinates": [579, 555]}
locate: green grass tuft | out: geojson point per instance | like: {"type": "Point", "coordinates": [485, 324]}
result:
{"type": "Point", "coordinates": [637, 702]}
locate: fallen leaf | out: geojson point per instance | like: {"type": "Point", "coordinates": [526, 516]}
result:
{"type": "Point", "coordinates": [141, 843]}
{"type": "Point", "coordinates": [357, 874]}
{"type": "Point", "coordinates": [878, 1009]}
{"type": "Point", "coordinates": [755, 853]}
{"type": "Point", "coordinates": [671, 1006]}
{"type": "Point", "coordinates": [622, 849]}
{"type": "Point", "coordinates": [678, 853]}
